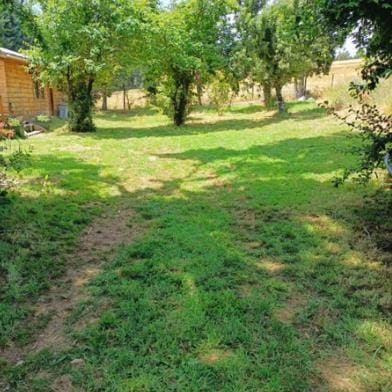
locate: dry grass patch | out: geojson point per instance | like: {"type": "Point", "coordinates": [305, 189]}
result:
{"type": "Point", "coordinates": [270, 265]}
{"type": "Point", "coordinates": [339, 375]}
{"type": "Point", "coordinates": [291, 308]}
{"type": "Point", "coordinates": [215, 356]}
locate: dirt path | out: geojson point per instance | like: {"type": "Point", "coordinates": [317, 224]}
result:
{"type": "Point", "coordinates": [98, 244]}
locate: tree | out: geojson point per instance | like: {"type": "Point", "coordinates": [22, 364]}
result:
{"type": "Point", "coordinates": [246, 51]}
{"type": "Point", "coordinates": [375, 130]}
{"type": "Point", "coordinates": [16, 21]}
{"type": "Point", "coordinates": [285, 40]}
{"type": "Point", "coordinates": [314, 41]}
{"type": "Point", "coordinates": [126, 79]}
{"type": "Point", "coordinates": [183, 48]}
{"type": "Point", "coordinates": [370, 21]}
{"type": "Point", "coordinates": [274, 47]}
{"type": "Point", "coordinates": [344, 55]}
{"type": "Point", "coordinates": [83, 40]}
{"type": "Point", "coordinates": [371, 24]}
{"type": "Point", "coordinates": [219, 91]}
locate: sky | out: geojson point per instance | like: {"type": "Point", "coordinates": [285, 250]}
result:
{"type": "Point", "coordinates": [350, 46]}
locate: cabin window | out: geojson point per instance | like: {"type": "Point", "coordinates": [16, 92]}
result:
{"type": "Point", "coordinates": [39, 92]}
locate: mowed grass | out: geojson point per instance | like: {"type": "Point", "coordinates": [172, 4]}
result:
{"type": "Point", "coordinates": [252, 272]}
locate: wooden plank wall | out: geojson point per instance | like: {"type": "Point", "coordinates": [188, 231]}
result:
{"type": "Point", "coordinates": [21, 96]}
{"type": "Point", "coordinates": [3, 89]}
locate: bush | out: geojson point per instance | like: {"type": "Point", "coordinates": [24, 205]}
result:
{"type": "Point", "coordinates": [375, 129]}
{"type": "Point", "coordinates": [13, 161]}
{"type": "Point", "coordinates": [43, 118]}
{"type": "Point", "coordinates": [374, 219]}
{"type": "Point", "coordinates": [219, 93]}
{"type": "Point", "coordinates": [164, 103]}
{"type": "Point", "coordinates": [17, 126]}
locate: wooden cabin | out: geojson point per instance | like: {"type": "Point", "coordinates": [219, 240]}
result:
{"type": "Point", "coordinates": [20, 95]}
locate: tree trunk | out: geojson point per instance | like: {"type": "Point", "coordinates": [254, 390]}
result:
{"type": "Point", "coordinates": [267, 95]}
{"type": "Point", "coordinates": [180, 102]}
{"type": "Point", "coordinates": [300, 87]}
{"type": "Point", "coordinates": [305, 84]}
{"type": "Point", "coordinates": [129, 104]}
{"type": "Point", "coordinates": [124, 99]}
{"type": "Point", "coordinates": [279, 98]}
{"type": "Point", "coordinates": [81, 105]}
{"type": "Point", "coordinates": [104, 101]}
{"type": "Point", "coordinates": [199, 88]}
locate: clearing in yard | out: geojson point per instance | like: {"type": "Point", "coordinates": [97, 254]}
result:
{"type": "Point", "coordinates": [213, 257]}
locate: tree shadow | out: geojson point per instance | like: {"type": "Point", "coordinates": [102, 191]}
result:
{"type": "Point", "coordinates": [68, 173]}
{"type": "Point", "coordinates": [202, 291]}
{"type": "Point", "coordinates": [295, 157]}
{"type": "Point", "coordinates": [37, 229]}
{"type": "Point", "coordinates": [125, 116]}
{"type": "Point", "coordinates": [240, 108]}
{"type": "Point", "coordinates": [197, 127]}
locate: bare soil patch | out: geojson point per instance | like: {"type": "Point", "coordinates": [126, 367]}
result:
{"type": "Point", "coordinates": [270, 265]}
{"type": "Point", "coordinates": [292, 307]}
{"type": "Point", "coordinates": [97, 244]}
{"type": "Point", "coordinates": [214, 356]}
{"type": "Point", "coordinates": [338, 374]}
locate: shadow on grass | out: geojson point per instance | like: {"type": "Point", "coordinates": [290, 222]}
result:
{"type": "Point", "coordinates": [240, 108]}
{"type": "Point", "coordinates": [125, 116]}
{"type": "Point", "coordinates": [193, 303]}
{"type": "Point", "coordinates": [38, 230]}
{"type": "Point", "coordinates": [291, 159]}
{"type": "Point", "coordinates": [200, 128]}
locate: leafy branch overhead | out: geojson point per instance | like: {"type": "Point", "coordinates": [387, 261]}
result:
{"type": "Point", "coordinates": [375, 130]}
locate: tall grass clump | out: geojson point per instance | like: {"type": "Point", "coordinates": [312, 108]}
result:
{"type": "Point", "coordinates": [340, 98]}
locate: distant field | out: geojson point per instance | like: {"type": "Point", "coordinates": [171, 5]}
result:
{"type": "Point", "coordinates": [134, 98]}
{"type": "Point", "coordinates": [341, 73]}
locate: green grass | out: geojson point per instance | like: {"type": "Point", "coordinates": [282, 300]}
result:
{"type": "Point", "coordinates": [254, 272]}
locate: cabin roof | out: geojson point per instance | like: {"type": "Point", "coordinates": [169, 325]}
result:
{"type": "Point", "coordinates": [10, 54]}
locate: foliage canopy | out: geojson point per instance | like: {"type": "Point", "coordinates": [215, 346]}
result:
{"type": "Point", "coordinates": [83, 41]}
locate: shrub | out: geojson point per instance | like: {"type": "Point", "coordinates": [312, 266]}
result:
{"type": "Point", "coordinates": [163, 102]}
{"type": "Point", "coordinates": [43, 118]}
{"type": "Point", "coordinates": [13, 161]}
{"type": "Point", "coordinates": [17, 126]}
{"type": "Point", "coordinates": [219, 91]}
{"type": "Point", "coordinates": [374, 218]}
{"type": "Point", "coordinates": [375, 129]}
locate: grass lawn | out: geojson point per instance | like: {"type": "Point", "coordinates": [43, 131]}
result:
{"type": "Point", "coordinates": [212, 257]}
